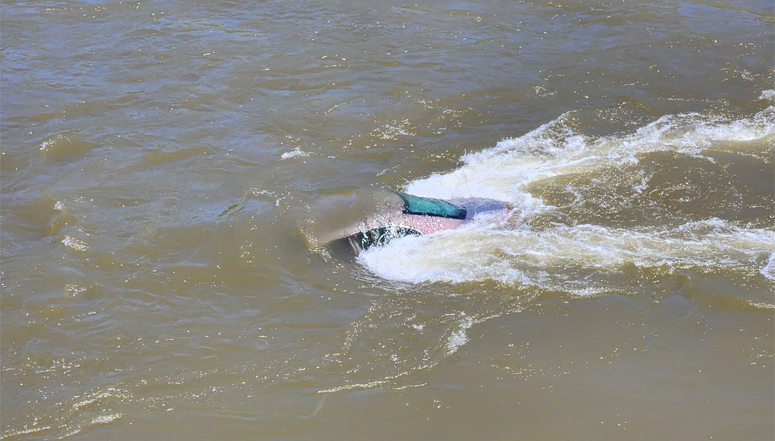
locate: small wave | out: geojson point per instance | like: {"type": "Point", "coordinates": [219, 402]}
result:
{"type": "Point", "coordinates": [559, 148]}
{"type": "Point", "coordinates": [769, 270]}
{"type": "Point", "coordinates": [75, 244]}
{"type": "Point", "coordinates": [768, 95]}
{"type": "Point", "coordinates": [293, 153]}
{"type": "Point", "coordinates": [555, 257]}
{"type": "Point", "coordinates": [760, 305]}
{"type": "Point", "coordinates": [458, 338]}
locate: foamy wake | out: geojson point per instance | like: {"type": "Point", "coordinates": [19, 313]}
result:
{"type": "Point", "coordinates": [556, 149]}
{"type": "Point", "coordinates": [540, 258]}
{"type": "Point", "coordinates": [561, 256]}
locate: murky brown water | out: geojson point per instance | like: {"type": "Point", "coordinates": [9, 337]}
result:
{"type": "Point", "coordinates": [164, 165]}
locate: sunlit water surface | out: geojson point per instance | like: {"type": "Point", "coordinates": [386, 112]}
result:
{"type": "Point", "coordinates": [164, 164]}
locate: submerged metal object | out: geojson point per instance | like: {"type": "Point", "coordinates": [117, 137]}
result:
{"type": "Point", "coordinates": [396, 214]}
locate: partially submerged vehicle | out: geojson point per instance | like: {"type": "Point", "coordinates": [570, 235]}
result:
{"type": "Point", "coordinates": [388, 214]}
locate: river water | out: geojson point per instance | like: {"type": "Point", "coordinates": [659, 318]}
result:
{"type": "Point", "coordinates": [167, 167]}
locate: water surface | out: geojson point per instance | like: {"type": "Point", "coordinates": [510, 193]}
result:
{"type": "Point", "coordinates": [164, 164]}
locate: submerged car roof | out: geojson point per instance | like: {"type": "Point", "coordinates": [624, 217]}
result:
{"type": "Point", "coordinates": [431, 207]}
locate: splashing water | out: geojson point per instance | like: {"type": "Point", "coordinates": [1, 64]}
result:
{"type": "Point", "coordinates": [576, 255]}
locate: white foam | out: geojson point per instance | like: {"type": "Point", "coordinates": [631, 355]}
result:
{"type": "Point", "coordinates": [293, 153]}
{"type": "Point", "coordinates": [537, 258]}
{"type": "Point", "coordinates": [505, 171]}
{"type": "Point", "coordinates": [75, 244]}
{"type": "Point", "coordinates": [458, 338]}
{"type": "Point", "coordinates": [769, 270]}
{"type": "Point", "coordinates": [768, 95]}
{"type": "Point", "coordinates": [105, 419]}
{"type": "Point", "coordinates": [556, 148]}
{"type": "Point", "coordinates": [529, 258]}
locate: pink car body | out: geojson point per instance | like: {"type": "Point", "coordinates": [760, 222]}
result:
{"type": "Point", "coordinates": [401, 214]}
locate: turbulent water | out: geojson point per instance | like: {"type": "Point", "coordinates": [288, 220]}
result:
{"type": "Point", "coordinates": [168, 167]}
